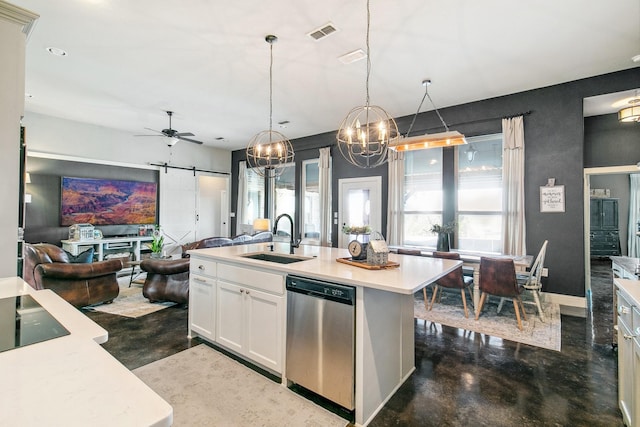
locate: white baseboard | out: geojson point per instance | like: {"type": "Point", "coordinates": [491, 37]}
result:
{"type": "Point", "coordinates": [569, 305]}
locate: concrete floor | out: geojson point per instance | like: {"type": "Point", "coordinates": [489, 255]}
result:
{"type": "Point", "coordinates": [461, 378]}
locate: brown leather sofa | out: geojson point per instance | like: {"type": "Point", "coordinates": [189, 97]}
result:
{"type": "Point", "coordinates": [168, 280]}
{"type": "Point", "coordinates": [47, 266]}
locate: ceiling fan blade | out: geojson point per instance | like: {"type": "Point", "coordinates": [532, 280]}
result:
{"type": "Point", "coordinates": [153, 130]}
{"type": "Point", "coordinates": [189, 140]}
{"type": "Point", "coordinates": [179, 134]}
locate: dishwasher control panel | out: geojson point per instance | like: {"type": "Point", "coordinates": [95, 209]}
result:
{"type": "Point", "coordinates": [333, 291]}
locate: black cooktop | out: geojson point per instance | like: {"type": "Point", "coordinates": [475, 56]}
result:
{"type": "Point", "coordinates": [23, 321]}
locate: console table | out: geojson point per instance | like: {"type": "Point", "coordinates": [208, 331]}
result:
{"type": "Point", "coordinates": [108, 245]}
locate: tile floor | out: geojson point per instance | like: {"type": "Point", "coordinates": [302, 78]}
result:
{"type": "Point", "coordinates": [461, 378]}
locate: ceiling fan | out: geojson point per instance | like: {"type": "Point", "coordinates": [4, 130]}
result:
{"type": "Point", "coordinates": [173, 134]}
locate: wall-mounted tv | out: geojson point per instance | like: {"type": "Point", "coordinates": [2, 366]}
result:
{"type": "Point", "coordinates": [107, 201]}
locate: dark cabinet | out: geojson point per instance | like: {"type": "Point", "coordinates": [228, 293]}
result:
{"type": "Point", "coordinates": [604, 233]}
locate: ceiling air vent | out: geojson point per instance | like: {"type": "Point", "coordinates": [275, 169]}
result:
{"type": "Point", "coordinates": [322, 32]}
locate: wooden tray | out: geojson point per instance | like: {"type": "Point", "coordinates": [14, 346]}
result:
{"type": "Point", "coordinates": [363, 264]}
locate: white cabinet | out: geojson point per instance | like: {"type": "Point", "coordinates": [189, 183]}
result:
{"type": "Point", "coordinates": [251, 323]}
{"type": "Point", "coordinates": [628, 361]}
{"type": "Point", "coordinates": [240, 309]}
{"type": "Point", "coordinates": [202, 302]}
{"type": "Point", "coordinates": [202, 298]}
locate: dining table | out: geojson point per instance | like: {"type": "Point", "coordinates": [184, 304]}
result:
{"type": "Point", "coordinates": [471, 260]}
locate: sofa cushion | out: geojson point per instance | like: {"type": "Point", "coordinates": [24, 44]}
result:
{"type": "Point", "coordinates": [85, 257]}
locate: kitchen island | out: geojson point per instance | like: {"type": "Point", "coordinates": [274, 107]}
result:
{"type": "Point", "coordinates": [240, 304]}
{"type": "Point", "coordinates": [69, 380]}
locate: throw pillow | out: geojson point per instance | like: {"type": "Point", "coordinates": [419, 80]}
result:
{"type": "Point", "coordinates": [85, 257]}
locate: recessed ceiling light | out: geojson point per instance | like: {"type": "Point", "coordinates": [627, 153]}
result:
{"type": "Point", "coordinates": [56, 51]}
{"type": "Point", "coordinates": [635, 58]}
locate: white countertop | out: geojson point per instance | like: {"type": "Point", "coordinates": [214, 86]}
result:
{"type": "Point", "coordinates": [631, 288]}
{"type": "Point", "coordinates": [413, 273]}
{"type": "Point", "coordinates": [71, 380]}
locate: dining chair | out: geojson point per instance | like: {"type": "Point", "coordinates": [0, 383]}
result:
{"type": "Point", "coordinates": [532, 280]}
{"type": "Point", "coordinates": [498, 277]}
{"type": "Point", "coordinates": [453, 280]}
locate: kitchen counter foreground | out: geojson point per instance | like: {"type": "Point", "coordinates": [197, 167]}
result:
{"type": "Point", "coordinates": [70, 380]}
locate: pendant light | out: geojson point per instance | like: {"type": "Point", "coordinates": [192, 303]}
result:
{"type": "Point", "coordinates": [420, 142]}
{"type": "Point", "coordinates": [632, 112]}
{"type": "Point", "coordinates": [365, 134]}
{"type": "Point", "coordinates": [269, 150]}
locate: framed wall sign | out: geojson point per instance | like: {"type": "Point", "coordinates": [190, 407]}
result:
{"type": "Point", "coordinates": [552, 198]}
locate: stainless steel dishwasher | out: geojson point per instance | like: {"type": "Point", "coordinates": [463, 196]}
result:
{"type": "Point", "coordinates": [320, 338]}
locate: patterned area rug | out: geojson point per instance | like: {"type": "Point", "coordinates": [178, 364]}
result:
{"type": "Point", "coordinates": [206, 388]}
{"type": "Point", "coordinates": [449, 312]}
{"type": "Point", "coordinates": [130, 303]}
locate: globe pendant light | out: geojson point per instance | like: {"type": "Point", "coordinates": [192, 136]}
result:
{"type": "Point", "coordinates": [269, 150]}
{"type": "Point", "coordinates": [365, 134]}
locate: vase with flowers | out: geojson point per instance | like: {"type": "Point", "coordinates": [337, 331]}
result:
{"type": "Point", "coordinates": [444, 233]}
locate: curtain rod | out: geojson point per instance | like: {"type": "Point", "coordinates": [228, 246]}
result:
{"type": "Point", "coordinates": [193, 168]}
{"type": "Point", "coordinates": [489, 119]}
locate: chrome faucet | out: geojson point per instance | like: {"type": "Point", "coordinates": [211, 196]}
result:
{"type": "Point", "coordinates": [292, 243]}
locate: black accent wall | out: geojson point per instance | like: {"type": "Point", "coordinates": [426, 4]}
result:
{"type": "Point", "coordinates": [554, 148]}
{"type": "Point", "coordinates": [42, 219]}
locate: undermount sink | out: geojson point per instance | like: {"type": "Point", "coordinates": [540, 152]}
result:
{"type": "Point", "coordinates": [276, 257]}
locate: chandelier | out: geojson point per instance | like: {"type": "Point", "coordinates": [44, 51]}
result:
{"type": "Point", "coordinates": [269, 150]}
{"type": "Point", "coordinates": [365, 134]}
{"type": "Point", "coordinates": [420, 142]}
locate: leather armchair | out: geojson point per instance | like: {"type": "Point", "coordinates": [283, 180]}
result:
{"type": "Point", "coordinates": [167, 280]}
{"type": "Point", "coordinates": [47, 266]}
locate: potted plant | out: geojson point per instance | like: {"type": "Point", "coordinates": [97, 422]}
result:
{"type": "Point", "coordinates": [157, 243]}
{"type": "Point", "coordinates": [443, 232]}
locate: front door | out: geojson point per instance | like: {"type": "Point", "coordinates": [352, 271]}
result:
{"type": "Point", "coordinates": [359, 203]}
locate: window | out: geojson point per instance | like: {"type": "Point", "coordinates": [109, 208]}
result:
{"type": "Point", "coordinates": [480, 194]}
{"type": "Point", "coordinates": [422, 196]}
{"type": "Point", "coordinates": [283, 189]}
{"type": "Point", "coordinates": [255, 197]}
{"type": "Point", "coordinates": [310, 227]}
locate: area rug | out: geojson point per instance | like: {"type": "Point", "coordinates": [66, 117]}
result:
{"type": "Point", "coordinates": [131, 303]}
{"type": "Point", "coordinates": [206, 388]}
{"type": "Point", "coordinates": [503, 325]}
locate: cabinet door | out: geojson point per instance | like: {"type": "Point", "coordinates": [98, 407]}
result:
{"type": "Point", "coordinates": [230, 316]}
{"type": "Point", "coordinates": [202, 303]}
{"type": "Point", "coordinates": [264, 325]}
{"type": "Point", "coordinates": [625, 372]}
{"type": "Point", "coordinates": [610, 214]}
{"type": "Point", "coordinates": [596, 214]}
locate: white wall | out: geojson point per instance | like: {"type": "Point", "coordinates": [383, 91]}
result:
{"type": "Point", "coordinates": [48, 134]}
{"type": "Point", "coordinates": [12, 46]}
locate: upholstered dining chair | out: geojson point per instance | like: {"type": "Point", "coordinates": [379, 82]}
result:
{"type": "Point", "coordinates": [453, 280]}
{"type": "Point", "coordinates": [532, 281]}
{"type": "Point", "coordinates": [498, 277]}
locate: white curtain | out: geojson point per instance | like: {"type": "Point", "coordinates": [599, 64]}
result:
{"type": "Point", "coordinates": [514, 226]}
{"type": "Point", "coordinates": [324, 188]}
{"type": "Point", "coordinates": [633, 243]}
{"type": "Point", "coordinates": [242, 195]}
{"type": "Point", "coordinates": [396, 198]}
